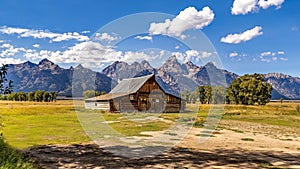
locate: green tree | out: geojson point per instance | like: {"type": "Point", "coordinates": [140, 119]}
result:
{"type": "Point", "coordinates": [249, 90]}
{"type": "Point", "coordinates": [5, 89]}
{"type": "Point", "coordinates": [218, 95]}
{"type": "Point", "coordinates": [186, 95]}
{"type": "Point", "coordinates": [38, 96]}
{"type": "Point", "coordinates": [201, 94]}
{"type": "Point", "coordinates": [22, 96]}
{"type": "Point", "coordinates": [46, 97]}
{"type": "Point", "coordinates": [31, 96]}
{"type": "Point", "coordinates": [53, 96]}
{"type": "Point", "coordinates": [208, 94]}
{"type": "Point", "coordinates": [90, 93]}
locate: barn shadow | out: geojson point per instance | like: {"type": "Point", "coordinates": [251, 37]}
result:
{"type": "Point", "coordinates": [91, 156]}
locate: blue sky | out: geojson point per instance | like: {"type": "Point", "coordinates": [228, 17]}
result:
{"type": "Point", "coordinates": [245, 37]}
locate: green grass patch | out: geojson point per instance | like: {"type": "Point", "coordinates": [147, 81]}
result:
{"type": "Point", "coordinates": [131, 128]}
{"type": "Point", "coordinates": [29, 124]}
{"type": "Point", "coordinates": [11, 158]}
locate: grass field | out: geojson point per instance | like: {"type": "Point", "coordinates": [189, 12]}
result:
{"type": "Point", "coordinates": [28, 124]}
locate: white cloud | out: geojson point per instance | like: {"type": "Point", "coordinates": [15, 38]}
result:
{"type": "Point", "coordinates": [243, 37]}
{"type": "Point", "coordinates": [266, 54]}
{"type": "Point", "coordinates": [85, 32]}
{"type": "Point", "coordinates": [243, 7]}
{"type": "Point", "coordinates": [105, 37]}
{"type": "Point", "coordinates": [36, 45]}
{"type": "Point", "coordinates": [267, 3]}
{"type": "Point", "coordinates": [177, 47]}
{"type": "Point", "coordinates": [271, 56]}
{"type": "Point", "coordinates": [144, 38]}
{"type": "Point", "coordinates": [191, 54]}
{"type": "Point", "coordinates": [233, 54]}
{"type": "Point", "coordinates": [10, 61]}
{"type": "Point", "coordinates": [7, 50]}
{"type": "Point", "coordinates": [189, 18]}
{"type": "Point", "coordinates": [246, 6]}
{"type": "Point", "coordinates": [43, 34]}
{"type": "Point", "coordinates": [284, 59]}
{"type": "Point", "coordinates": [206, 54]}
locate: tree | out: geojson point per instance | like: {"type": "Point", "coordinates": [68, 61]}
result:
{"type": "Point", "coordinates": [3, 80]}
{"type": "Point", "coordinates": [249, 90]}
{"type": "Point", "coordinates": [201, 93]}
{"type": "Point", "coordinates": [186, 95]}
{"type": "Point", "coordinates": [46, 97]}
{"type": "Point", "coordinates": [38, 96]}
{"type": "Point", "coordinates": [31, 96]}
{"type": "Point", "coordinates": [90, 93]}
{"type": "Point", "coordinates": [205, 94]}
{"type": "Point", "coordinates": [53, 96]}
{"type": "Point", "coordinates": [22, 96]}
{"type": "Point", "coordinates": [218, 95]}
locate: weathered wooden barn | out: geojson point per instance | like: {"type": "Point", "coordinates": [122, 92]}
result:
{"type": "Point", "coordinates": [141, 94]}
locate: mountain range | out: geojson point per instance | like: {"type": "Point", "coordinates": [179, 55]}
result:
{"type": "Point", "coordinates": [173, 76]}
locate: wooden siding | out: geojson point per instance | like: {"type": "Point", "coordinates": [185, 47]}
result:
{"type": "Point", "coordinates": [149, 98]}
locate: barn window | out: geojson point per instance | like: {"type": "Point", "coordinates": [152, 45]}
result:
{"type": "Point", "coordinates": [131, 97]}
{"type": "Point", "coordinates": [96, 104]}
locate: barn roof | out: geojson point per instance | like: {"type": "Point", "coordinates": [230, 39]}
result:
{"type": "Point", "coordinates": [131, 85]}
{"type": "Point", "coordinates": [125, 87]}
{"type": "Point", "coordinates": [106, 97]}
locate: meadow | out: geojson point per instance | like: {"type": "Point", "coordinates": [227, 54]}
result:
{"type": "Point", "coordinates": [27, 124]}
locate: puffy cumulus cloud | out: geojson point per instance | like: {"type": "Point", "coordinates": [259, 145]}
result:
{"type": "Point", "coordinates": [191, 55]}
{"type": "Point", "coordinates": [243, 37]}
{"type": "Point", "coordinates": [267, 3]}
{"type": "Point", "coordinates": [144, 38]}
{"type": "Point", "coordinates": [280, 52]}
{"type": "Point", "coordinates": [8, 50]}
{"type": "Point", "coordinates": [189, 18]}
{"type": "Point", "coordinates": [243, 6]}
{"type": "Point", "coordinates": [233, 54]}
{"type": "Point", "coordinates": [10, 60]}
{"type": "Point", "coordinates": [246, 6]}
{"type": "Point", "coordinates": [43, 34]}
{"type": "Point", "coordinates": [105, 37]}
{"type": "Point", "coordinates": [89, 52]}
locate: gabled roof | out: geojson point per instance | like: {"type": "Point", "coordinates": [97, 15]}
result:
{"type": "Point", "coordinates": [126, 87]}
{"type": "Point", "coordinates": [106, 97]}
{"type": "Point", "coordinates": [131, 85]}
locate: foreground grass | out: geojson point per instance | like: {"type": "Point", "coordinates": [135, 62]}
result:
{"type": "Point", "coordinates": [285, 114]}
{"type": "Point", "coordinates": [28, 124]}
{"type": "Point", "coordinates": [11, 159]}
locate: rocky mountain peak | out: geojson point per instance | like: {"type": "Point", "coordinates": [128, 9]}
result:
{"type": "Point", "coordinates": [79, 67]}
{"type": "Point", "coordinates": [46, 64]}
{"type": "Point", "coordinates": [173, 66]}
{"type": "Point", "coordinates": [45, 61]}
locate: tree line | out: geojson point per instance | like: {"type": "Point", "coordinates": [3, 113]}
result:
{"type": "Point", "coordinates": [246, 90]}
{"type": "Point", "coordinates": [37, 96]}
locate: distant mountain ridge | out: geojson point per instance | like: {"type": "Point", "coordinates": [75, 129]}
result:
{"type": "Point", "coordinates": [172, 76]}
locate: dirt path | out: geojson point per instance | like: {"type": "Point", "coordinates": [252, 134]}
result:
{"type": "Point", "coordinates": [234, 145]}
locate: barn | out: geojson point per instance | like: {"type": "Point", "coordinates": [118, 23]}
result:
{"type": "Point", "coordinates": [141, 94]}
